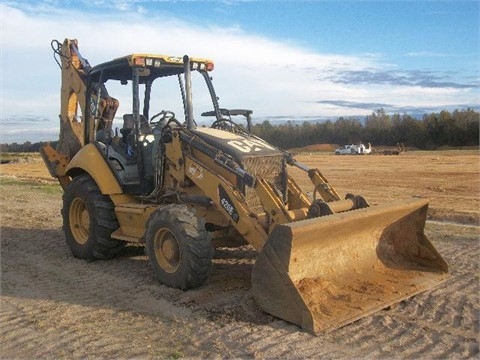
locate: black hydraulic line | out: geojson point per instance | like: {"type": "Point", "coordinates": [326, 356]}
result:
{"type": "Point", "coordinates": [85, 64]}
{"type": "Point", "coordinates": [213, 95]}
{"type": "Point", "coordinates": [200, 200]}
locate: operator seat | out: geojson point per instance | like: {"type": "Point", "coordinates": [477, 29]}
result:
{"type": "Point", "coordinates": [129, 125]}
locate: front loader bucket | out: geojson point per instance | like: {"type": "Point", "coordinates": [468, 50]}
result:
{"type": "Point", "coordinates": [325, 272]}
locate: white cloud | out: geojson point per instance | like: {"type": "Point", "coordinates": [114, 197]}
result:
{"type": "Point", "coordinates": [270, 76]}
{"type": "Point", "coordinates": [436, 54]}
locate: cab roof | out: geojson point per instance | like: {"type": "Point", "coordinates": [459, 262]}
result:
{"type": "Point", "coordinates": [151, 67]}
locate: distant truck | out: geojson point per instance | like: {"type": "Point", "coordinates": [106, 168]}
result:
{"type": "Point", "coordinates": [352, 149]}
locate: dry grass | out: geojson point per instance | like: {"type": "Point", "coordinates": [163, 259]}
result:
{"type": "Point", "coordinates": [56, 306]}
{"type": "Point", "coordinates": [449, 179]}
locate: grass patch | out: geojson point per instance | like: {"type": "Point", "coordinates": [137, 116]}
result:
{"type": "Point", "coordinates": [52, 189]}
{"type": "Point", "coordinates": [175, 354]}
{"type": "Point", "coordinates": [19, 157]}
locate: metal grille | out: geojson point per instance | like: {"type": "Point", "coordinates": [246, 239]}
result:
{"type": "Point", "coordinates": [270, 168]}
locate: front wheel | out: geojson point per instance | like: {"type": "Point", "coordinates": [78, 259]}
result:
{"type": "Point", "coordinates": [178, 247]}
{"type": "Point", "coordinates": [89, 220]}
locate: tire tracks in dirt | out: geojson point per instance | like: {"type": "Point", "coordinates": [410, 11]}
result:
{"type": "Point", "coordinates": [54, 305]}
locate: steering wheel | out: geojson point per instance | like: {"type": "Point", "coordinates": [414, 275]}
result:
{"type": "Point", "coordinates": [224, 124]}
{"type": "Point", "coordinates": [166, 115]}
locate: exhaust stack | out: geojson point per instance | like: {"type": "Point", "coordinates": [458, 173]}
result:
{"type": "Point", "coordinates": [188, 93]}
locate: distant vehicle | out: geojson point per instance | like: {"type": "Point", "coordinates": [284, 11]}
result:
{"type": "Point", "coordinates": [363, 150]}
{"type": "Point", "coordinates": [352, 149]}
{"type": "Point", "coordinates": [346, 150]}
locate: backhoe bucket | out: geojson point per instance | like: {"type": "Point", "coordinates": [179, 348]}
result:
{"type": "Point", "coordinates": [325, 272]}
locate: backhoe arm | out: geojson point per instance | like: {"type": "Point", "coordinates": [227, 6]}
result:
{"type": "Point", "coordinates": [74, 72]}
{"type": "Point", "coordinates": [74, 69]}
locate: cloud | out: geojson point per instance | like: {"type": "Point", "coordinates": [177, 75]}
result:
{"type": "Point", "coordinates": [434, 54]}
{"type": "Point", "coordinates": [268, 72]}
{"type": "Point", "coordinates": [427, 79]}
{"type": "Point", "coordinates": [391, 108]}
{"type": "Point", "coordinates": [24, 120]}
{"type": "Point", "coordinates": [354, 105]}
{"type": "Point", "coordinates": [271, 76]}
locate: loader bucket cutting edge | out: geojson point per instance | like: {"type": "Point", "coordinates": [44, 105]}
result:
{"type": "Point", "coordinates": [326, 272]}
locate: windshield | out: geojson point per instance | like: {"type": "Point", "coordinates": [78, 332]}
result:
{"type": "Point", "coordinates": [166, 94]}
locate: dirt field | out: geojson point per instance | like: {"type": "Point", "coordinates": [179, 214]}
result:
{"type": "Point", "coordinates": [56, 306]}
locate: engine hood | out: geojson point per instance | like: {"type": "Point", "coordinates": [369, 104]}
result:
{"type": "Point", "coordinates": [237, 145]}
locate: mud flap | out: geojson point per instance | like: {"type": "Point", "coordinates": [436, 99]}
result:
{"type": "Point", "coordinates": [326, 272]}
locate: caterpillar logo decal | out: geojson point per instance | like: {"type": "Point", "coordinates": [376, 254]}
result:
{"type": "Point", "coordinates": [227, 204]}
{"type": "Point", "coordinates": [250, 145]}
{"type": "Point", "coordinates": [196, 171]}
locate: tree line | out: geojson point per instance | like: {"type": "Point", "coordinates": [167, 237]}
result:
{"type": "Point", "coordinates": [457, 128]}
{"type": "Point", "coordinates": [26, 147]}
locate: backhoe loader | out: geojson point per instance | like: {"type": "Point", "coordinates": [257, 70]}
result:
{"type": "Point", "coordinates": [162, 180]}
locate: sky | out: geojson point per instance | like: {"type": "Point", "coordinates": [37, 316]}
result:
{"type": "Point", "coordinates": [288, 60]}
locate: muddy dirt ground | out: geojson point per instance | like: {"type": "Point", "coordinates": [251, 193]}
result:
{"type": "Point", "coordinates": [56, 306]}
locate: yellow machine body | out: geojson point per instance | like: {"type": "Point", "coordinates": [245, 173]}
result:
{"type": "Point", "coordinates": [322, 263]}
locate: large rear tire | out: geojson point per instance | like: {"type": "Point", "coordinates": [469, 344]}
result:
{"type": "Point", "coordinates": [178, 247]}
{"type": "Point", "coordinates": [89, 220]}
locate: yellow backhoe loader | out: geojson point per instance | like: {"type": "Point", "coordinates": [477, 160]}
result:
{"type": "Point", "coordinates": [166, 182]}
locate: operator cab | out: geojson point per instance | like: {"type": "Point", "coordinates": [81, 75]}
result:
{"type": "Point", "coordinates": [133, 148]}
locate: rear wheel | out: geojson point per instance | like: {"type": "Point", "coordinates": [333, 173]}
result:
{"type": "Point", "coordinates": [178, 247]}
{"type": "Point", "coordinates": [89, 220]}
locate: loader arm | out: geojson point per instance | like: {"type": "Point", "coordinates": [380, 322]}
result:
{"type": "Point", "coordinates": [184, 166]}
{"type": "Point", "coordinates": [229, 201]}
{"type": "Point", "coordinates": [330, 202]}
{"type": "Point", "coordinates": [320, 182]}
{"type": "Point", "coordinates": [322, 186]}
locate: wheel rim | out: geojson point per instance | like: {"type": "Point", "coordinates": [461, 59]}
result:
{"type": "Point", "coordinates": [79, 221]}
{"type": "Point", "coordinates": [167, 251]}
